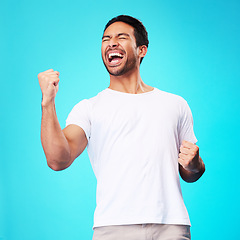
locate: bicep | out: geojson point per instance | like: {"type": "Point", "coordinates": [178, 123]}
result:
{"type": "Point", "coordinates": [185, 129]}
{"type": "Point", "coordinates": [76, 138]}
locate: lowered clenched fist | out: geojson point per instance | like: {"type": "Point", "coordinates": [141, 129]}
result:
{"type": "Point", "coordinates": [189, 157]}
{"type": "Point", "coordinates": [48, 82]}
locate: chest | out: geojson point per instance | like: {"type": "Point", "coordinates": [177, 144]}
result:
{"type": "Point", "coordinates": [124, 117]}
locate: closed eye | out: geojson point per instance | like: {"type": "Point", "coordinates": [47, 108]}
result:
{"type": "Point", "coordinates": [105, 38]}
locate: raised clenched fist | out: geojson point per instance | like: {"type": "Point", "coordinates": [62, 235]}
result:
{"type": "Point", "coordinates": [48, 82]}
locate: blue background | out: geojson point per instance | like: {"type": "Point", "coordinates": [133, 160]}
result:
{"type": "Point", "coordinates": [194, 52]}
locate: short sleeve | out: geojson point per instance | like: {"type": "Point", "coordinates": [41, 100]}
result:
{"type": "Point", "coordinates": [80, 116]}
{"type": "Point", "coordinates": [186, 125]}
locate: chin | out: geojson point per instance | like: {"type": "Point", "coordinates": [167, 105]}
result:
{"type": "Point", "coordinates": [117, 73]}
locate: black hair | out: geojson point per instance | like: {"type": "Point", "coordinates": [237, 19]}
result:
{"type": "Point", "coordinates": [140, 32]}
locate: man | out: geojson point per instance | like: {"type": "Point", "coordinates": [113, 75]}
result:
{"type": "Point", "coordinates": [139, 138]}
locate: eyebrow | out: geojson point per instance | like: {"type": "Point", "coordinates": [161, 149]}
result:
{"type": "Point", "coordinates": [124, 34]}
{"type": "Point", "coordinates": [120, 34]}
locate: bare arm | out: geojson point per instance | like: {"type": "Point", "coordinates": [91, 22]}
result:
{"type": "Point", "coordinates": [61, 147]}
{"type": "Point", "coordinates": [191, 166]}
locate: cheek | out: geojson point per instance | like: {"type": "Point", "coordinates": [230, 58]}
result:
{"type": "Point", "coordinates": [103, 47]}
{"type": "Point", "coordinates": [131, 49]}
{"type": "Point", "coordinates": [102, 51]}
{"type": "Point", "coordinates": [132, 53]}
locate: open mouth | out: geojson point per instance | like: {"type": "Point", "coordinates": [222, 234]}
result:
{"type": "Point", "coordinates": [114, 58]}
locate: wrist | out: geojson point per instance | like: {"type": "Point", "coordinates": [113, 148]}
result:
{"type": "Point", "coordinates": [191, 170]}
{"type": "Point", "coordinates": [47, 102]}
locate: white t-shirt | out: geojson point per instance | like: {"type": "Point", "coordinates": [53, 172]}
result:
{"type": "Point", "coordinates": [133, 146]}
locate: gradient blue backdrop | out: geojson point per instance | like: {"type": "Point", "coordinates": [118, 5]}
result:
{"type": "Point", "coordinates": [194, 52]}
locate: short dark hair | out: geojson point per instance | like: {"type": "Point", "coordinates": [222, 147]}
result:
{"type": "Point", "coordinates": [140, 32]}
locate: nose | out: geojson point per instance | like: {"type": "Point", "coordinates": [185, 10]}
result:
{"type": "Point", "coordinates": [113, 43]}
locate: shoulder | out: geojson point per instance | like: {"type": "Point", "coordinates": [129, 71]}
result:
{"type": "Point", "coordinates": [170, 97]}
{"type": "Point", "coordinates": [82, 111]}
{"type": "Point", "coordinates": [90, 102]}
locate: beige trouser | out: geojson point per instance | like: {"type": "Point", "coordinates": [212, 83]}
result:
{"type": "Point", "coordinates": [143, 232]}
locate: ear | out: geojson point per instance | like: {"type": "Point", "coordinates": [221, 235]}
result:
{"type": "Point", "coordinates": [142, 51]}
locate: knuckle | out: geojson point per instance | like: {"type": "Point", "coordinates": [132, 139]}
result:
{"type": "Point", "coordinates": [44, 77]}
{"type": "Point", "coordinates": [40, 75]}
{"type": "Point", "coordinates": [193, 153]}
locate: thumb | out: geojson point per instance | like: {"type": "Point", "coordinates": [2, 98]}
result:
{"type": "Point", "coordinates": [55, 82]}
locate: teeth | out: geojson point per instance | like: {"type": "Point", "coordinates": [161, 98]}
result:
{"type": "Point", "coordinates": [114, 55]}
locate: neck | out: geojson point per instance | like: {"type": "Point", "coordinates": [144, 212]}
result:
{"type": "Point", "coordinates": [130, 82]}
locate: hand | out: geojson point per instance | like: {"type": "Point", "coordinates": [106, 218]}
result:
{"type": "Point", "coordinates": [48, 82]}
{"type": "Point", "coordinates": [189, 157]}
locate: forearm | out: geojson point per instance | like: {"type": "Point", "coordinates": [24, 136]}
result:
{"type": "Point", "coordinates": [55, 145]}
{"type": "Point", "coordinates": [190, 176]}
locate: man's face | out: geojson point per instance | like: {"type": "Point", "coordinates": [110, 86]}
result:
{"type": "Point", "coordinates": [119, 50]}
